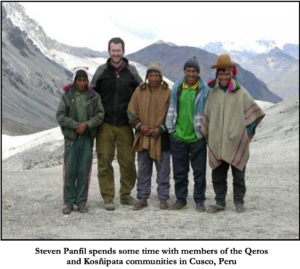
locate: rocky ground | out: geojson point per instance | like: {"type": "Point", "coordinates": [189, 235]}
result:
{"type": "Point", "coordinates": [32, 199]}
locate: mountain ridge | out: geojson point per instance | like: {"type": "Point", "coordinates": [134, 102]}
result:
{"type": "Point", "coordinates": [31, 83]}
{"type": "Point", "coordinates": [172, 59]}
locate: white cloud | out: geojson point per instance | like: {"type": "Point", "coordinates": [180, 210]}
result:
{"type": "Point", "coordinates": [140, 24]}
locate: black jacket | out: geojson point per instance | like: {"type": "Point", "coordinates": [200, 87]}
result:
{"type": "Point", "coordinates": [115, 91]}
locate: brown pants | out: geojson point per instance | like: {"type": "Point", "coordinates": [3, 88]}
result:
{"type": "Point", "coordinates": [108, 138]}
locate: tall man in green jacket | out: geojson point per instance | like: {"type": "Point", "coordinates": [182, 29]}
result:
{"type": "Point", "coordinates": [116, 81]}
{"type": "Point", "coordinates": [80, 113]}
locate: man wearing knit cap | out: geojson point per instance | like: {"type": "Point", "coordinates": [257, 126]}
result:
{"type": "Point", "coordinates": [116, 81]}
{"type": "Point", "coordinates": [188, 98]}
{"type": "Point", "coordinates": [147, 112]}
{"type": "Point", "coordinates": [80, 113]}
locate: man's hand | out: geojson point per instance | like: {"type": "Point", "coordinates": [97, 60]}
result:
{"type": "Point", "coordinates": [145, 130]}
{"type": "Point", "coordinates": [81, 127]}
{"type": "Point", "coordinates": [155, 133]}
{"type": "Point", "coordinates": [134, 122]}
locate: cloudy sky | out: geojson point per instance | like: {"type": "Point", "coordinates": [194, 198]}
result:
{"type": "Point", "coordinates": [141, 24]}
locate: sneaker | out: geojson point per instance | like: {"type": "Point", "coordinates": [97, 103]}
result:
{"type": "Point", "coordinates": [163, 204]}
{"type": "Point", "coordinates": [82, 209]}
{"type": "Point", "coordinates": [67, 209]}
{"type": "Point", "coordinates": [127, 201]}
{"type": "Point", "coordinates": [200, 207]}
{"type": "Point", "coordinates": [109, 205]}
{"type": "Point", "coordinates": [178, 205]}
{"type": "Point", "coordinates": [140, 204]}
{"type": "Point", "coordinates": [240, 208]}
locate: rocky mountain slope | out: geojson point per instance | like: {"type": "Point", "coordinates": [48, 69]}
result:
{"type": "Point", "coordinates": [173, 58]}
{"type": "Point", "coordinates": [35, 68]}
{"type": "Point", "coordinates": [44, 149]}
{"type": "Point", "coordinates": [47, 45]}
{"type": "Point", "coordinates": [278, 68]}
{"type": "Point", "coordinates": [31, 83]}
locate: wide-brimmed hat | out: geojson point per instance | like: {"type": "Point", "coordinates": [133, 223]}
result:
{"type": "Point", "coordinates": [223, 61]}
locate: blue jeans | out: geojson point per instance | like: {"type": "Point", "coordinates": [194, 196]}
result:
{"type": "Point", "coordinates": [182, 155]}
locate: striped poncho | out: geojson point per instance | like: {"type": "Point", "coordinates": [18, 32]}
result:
{"type": "Point", "coordinates": [224, 126]}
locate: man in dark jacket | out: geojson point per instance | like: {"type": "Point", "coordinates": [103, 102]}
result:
{"type": "Point", "coordinates": [80, 113]}
{"type": "Point", "coordinates": [116, 81]}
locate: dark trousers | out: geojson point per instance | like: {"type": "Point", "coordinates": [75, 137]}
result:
{"type": "Point", "coordinates": [182, 155]}
{"type": "Point", "coordinates": [77, 170]}
{"type": "Point", "coordinates": [219, 179]}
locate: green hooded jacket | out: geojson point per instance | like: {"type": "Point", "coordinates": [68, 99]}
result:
{"type": "Point", "coordinates": [67, 113]}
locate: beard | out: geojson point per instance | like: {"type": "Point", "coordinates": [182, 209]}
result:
{"type": "Point", "coordinates": [116, 61]}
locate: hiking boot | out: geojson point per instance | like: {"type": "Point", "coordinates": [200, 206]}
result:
{"type": "Point", "coordinates": [200, 207]}
{"type": "Point", "coordinates": [215, 208]}
{"type": "Point", "coordinates": [67, 209]}
{"type": "Point", "coordinates": [163, 204]}
{"type": "Point", "coordinates": [178, 205]}
{"type": "Point", "coordinates": [109, 205]}
{"type": "Point", "coordinates": [82, 209]}
{"type": "Point", "coordinates": [127, 201]}
{"type": "Point", "coordinates": [139, 204]}
{"type": "Point", "coordinates": [240, 208]}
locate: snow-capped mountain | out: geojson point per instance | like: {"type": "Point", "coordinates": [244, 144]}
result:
{"type": "Point", "coordinates": [278, 68]}
{"type": "Point", "coordinates": [69, 57]}
{"type": "Point", "coordinates": [31, 83]}
{"type": "Point", "coordinates": [251, 49]}
{"type": "Point", "coordinates": [255, 47]}
{"type": "Point", "coordinates": [34, 70]}
{"type": "Point", "coordinates": [35, 32]}
{"type": "Point", "coordinates": [72, 61]}
{"type": "Point", "coordinates": [163, 42]}
{"type": "Point", "coordinates": [172, 59]}
{"type": "Point", "coordinates": [292, 50]}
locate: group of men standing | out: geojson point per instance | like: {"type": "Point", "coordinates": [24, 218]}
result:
{"type": "Point", "coordinates": [181, 124]}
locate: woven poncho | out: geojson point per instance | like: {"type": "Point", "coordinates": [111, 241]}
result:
{"type": "Point", "coordinates": [150, 107]}
{"type": "Point", "coordinates": [224, 126]}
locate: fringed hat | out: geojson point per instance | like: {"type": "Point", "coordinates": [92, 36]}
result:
{"type": "Point", "coordinates": [80, 72]}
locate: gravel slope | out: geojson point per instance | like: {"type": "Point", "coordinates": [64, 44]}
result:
{"type": "Point", "coordinates": [32, 199]}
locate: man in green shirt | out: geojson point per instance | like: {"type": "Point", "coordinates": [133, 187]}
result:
{"type": "Point", "coordinates": [186, 108]}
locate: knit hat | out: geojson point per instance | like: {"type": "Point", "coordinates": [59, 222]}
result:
{"type": "Point", "coordinates": [80, 72]}
{"type": "Point", "coordinates": [223, 61]}
{"type": "Point", "coordinates": [154, 66]}
{"type": "Point", "coordinates": [192, 62]}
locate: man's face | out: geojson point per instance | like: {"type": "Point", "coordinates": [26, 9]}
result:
{"type": "Point", "coordinates": [81, 83]}
{"type": "Point", "coordinates": [224, 77]}
{"type": "Point", "coordinates": [154, 79]}
{"type": "Point", "coordinates": [116, 53]}
{"type": "Point", "coordinates": [191, 75]}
